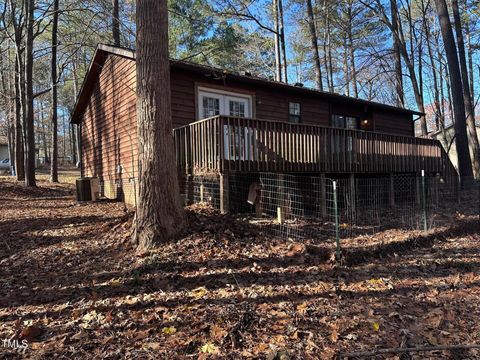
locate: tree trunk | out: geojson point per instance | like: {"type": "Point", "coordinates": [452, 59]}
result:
{"type": "Point", "coordinates": [346, 72]}
{"type": "Point", "coordinates": [78, 128]}
{"type": "Point", "coordinates": [54, 159]}
{"type": "Point", "coordinates": [426, 29]}
{"type": "Point", "coordinates": [29, 119]}
{"type": "Point", "coordinates": [19, 146]}
{"type": "Point", "coordinates": [278, 58]}
{"type": "Point", "coordinates": [115, 23]}
{"type": "Point", "coordinates": [314, 42]}
{"type": "Point", "coordinates": [19, 101]}
{"type": "Point", "coordinates": [469, 55]}
{"type": "Point", "coordinates": [467, 98]}
{"type": "Point", "coordinates": [43, 135]}
{"type": "Point", "coordinates": [396, 52]}
{"type": "Point", "coordinates": [159, 215]}
{"type": "Point", "coordinates": [409, 61]}
{"type": "Point", "coordinates": [353, 69]}
{"type": "Point", "coordinates": [8, 90]}
{"type": "Point", "coordinates": [461, 141]}
{"type": "Point", "coordinates": [73, 143]}
{"type": "Point", "coordinates": [282, 41]}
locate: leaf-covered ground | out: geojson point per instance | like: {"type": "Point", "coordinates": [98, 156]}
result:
{"type": "Point", "coordinates": [71, 286]}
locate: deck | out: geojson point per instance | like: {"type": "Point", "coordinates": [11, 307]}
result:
{"type": "Point", "coordinates": [224, 144]}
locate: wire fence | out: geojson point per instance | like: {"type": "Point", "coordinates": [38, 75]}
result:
{"type": "Point", "coordinates": [320, 208]}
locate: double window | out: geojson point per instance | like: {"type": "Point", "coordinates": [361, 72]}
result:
{"type": "Point", "coordinates": [345, 122]}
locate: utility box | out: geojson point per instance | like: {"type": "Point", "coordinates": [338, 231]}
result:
{"type": "Point", "coordinates": [88, 189]}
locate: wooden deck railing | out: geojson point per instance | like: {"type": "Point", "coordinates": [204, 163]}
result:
{"type": "Point", "coordinates": [224, 144]}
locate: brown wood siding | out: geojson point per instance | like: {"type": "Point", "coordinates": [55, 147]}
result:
{"type": "Point", "coordinates": [109, 126]}
{"type": "Point", "coordinates": [109, 131]}
{"type": "Point", "coordinates": [393, 123]}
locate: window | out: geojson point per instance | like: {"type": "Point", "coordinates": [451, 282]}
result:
{"type": "Point", "coordinates": [237, 108]}
{"type": "Point", "coordinates": [294, 112]}
{"type": "Point", "coordinates": [211, 106]}
{"type": "Point", "coordinates": [345, 122]}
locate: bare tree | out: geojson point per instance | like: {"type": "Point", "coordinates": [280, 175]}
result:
{"type": "Point", "coordinates": [396, 52]}
{"type": "Point", "coordinates": [115, 23]}
{"type": "Point", "coordinates": [314, 41]}
{"type": "Point", "coordinates": [377, 7]}
{"type": "Point", "coordinates": [282, 40]}
{"type": "Point", "coordinates": [54, 102]}
{"type": "Point", "coordinates": [467, 97]}
{"type": "Point", "coordinates": [276, 34]}
{"type": "Point", "coordinates": [29, 119]}
{"type": "Point", "coordinates": [159, 215]}
{"type": "Point", "coordinates": [461, 141]}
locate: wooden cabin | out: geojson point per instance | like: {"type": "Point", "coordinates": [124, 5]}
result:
{"type": "Point", "coordinates": [233, 123]}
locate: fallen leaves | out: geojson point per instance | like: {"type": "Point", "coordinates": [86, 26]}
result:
{"type": "Point", "coordinates": [226, 289]}
{"type": "Point", "coordinates": [169, 330]}
{"type": "Point", "coordinates": [199, 292]}
{"type": "Point", "coordinates": [217, 332]}
{"type": "Point", "coordinates": [209, 348]}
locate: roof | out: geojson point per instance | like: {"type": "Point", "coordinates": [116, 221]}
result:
{"type": "Point", "coordinates": [102, 52]}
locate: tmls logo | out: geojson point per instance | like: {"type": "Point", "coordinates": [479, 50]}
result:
{"type": "Point", "coordinates": [15, 344]}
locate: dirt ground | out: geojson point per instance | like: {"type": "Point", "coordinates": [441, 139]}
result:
{"type": "Point", "coordinates": [72, 287]}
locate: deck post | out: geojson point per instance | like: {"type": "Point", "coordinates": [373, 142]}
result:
{"type": "Point", "coordinates": [224, 200]}
{"type": "Point", "coordinates": [391, 193]}
{"type": "Point", "coordinates": [189, 189]}
{"type": "Point", "coordinates": [323, 195]}
{"type": "Point", "coordinates": [202, 198]}
{"type": "Point", "coordinates": [417, 189]}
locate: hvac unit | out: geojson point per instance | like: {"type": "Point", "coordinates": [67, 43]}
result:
{"type": "Point", "coordinates": [88, 189]}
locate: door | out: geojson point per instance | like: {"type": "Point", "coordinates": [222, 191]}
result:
{"type": "Point", "coordinates": [238, 144]}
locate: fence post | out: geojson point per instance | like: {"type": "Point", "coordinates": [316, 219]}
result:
{"type": "Point", "coordinates": [335, 212]}
{"type": "Point", "coordinates": [424, 202]}
{"type": "Point", "coordinates": [224, 194]}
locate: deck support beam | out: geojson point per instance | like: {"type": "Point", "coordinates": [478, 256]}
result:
{"type": "Point", "coordinates": [323, 195]}
{"type": "Point", "coordinates": [224, 195]}
{"type": "Point", "coordinates": [417, 189]}
{"type": "Point", "coordinates": [189, 189]}
{"type": "Point", "coordinates": [391, 192]}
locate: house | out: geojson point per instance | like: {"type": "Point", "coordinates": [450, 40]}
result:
{"type": "Point", "coordinates": [4, 154]}
{"type": "Point", "coordinates": [235, 123]}
{"type": "Point", "coordinates": [447, 139]}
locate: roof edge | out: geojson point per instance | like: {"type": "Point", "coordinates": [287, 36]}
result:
{"type": "Point", "coordinates": [103, 50]}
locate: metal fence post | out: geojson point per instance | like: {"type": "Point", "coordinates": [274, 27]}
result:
{"type": "Point", "coordinates": [335, 211]}
{"type": "Point", "coordinates": [424, 202]}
